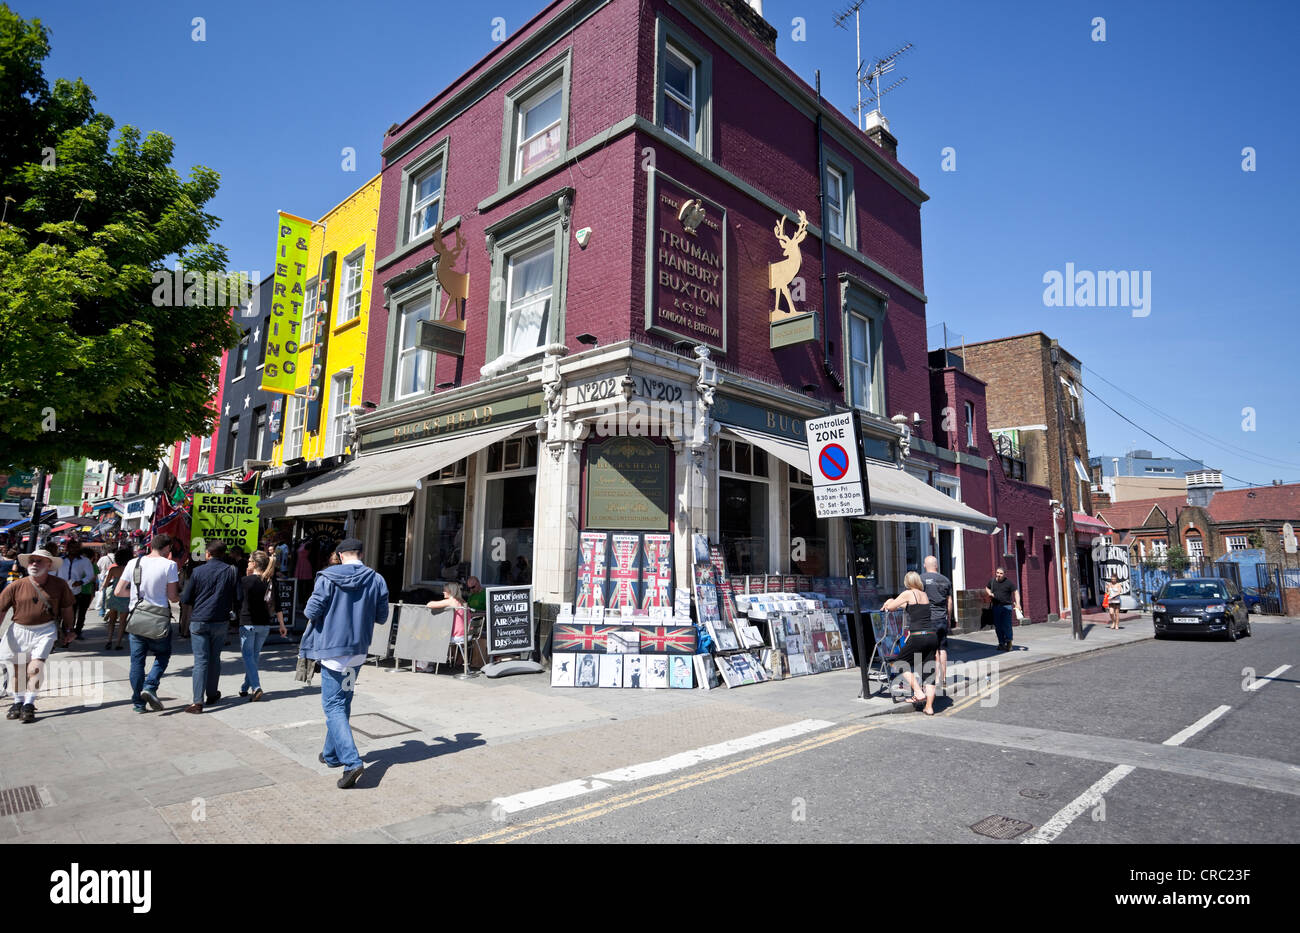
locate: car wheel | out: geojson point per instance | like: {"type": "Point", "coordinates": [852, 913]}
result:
{"type": "Point", "coordinates": [1248, 632]}
{"type": "Point", "coordinates": [1231, 633]}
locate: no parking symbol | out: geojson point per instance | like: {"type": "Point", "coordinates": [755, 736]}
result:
{"type": "Point", "coordinates": [835, 465]}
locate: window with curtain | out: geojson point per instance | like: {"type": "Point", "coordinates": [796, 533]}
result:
{"type": "Point", "coordinates": [530, 278]}
{"type": "Point", "coordinates": [538, 134]}
{"type": "Point", "coordinates": [679, 95]}
{"type": "Point", "coordinates": [413, 363]}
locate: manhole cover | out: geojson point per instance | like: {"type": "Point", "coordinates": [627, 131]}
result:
{"type": "Point", "coordinates": [379, 726]}
{"type": "Point", "coordinates": [1001, 827]}
{"type": "Point", "coordinates": [1034, 794]}
{"type": "Point", "coordinates": [20, 800]}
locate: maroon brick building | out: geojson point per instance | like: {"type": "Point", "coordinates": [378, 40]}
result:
{"type": "Point", "coordinates": [673, 253]}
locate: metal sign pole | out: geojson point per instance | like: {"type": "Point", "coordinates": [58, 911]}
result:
{"type": "Point", "coordinates": [857, 610]}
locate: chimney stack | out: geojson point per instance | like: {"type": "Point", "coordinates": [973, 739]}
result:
{"type": "Point", "coordinates": [750, 14]}
{"type": "Point", "coordinates": [877, 130]}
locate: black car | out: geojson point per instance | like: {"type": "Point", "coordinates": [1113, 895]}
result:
{"type": "Point", "coordinates": [1201, 606]}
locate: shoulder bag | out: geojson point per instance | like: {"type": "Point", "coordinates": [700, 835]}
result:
{"type": "Point", "coordinates": [145, 619]}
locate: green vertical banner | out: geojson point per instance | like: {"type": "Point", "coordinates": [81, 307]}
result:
{"type": "Point", "coordinates": [65, 486]}
{"type": "Point", "coordinates": [292, 245]}
{"type": "Point", "coordinates": [229, 518]}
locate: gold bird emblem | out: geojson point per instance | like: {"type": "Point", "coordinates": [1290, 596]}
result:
{"type": "Point", "coordinates": [691, 215]}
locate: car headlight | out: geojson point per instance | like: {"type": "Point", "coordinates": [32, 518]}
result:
{"type": "Point", "coordinates": [1216, 607]}
{"type": "Point", "coordinates": [1160, 607]}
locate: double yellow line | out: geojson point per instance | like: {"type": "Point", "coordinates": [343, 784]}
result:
{"type": "Point", "coordinates": [607, 805]}
{"type": "Point", "coordinates": [642, 795]}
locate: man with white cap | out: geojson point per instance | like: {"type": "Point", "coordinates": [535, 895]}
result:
{"type": "Point", "coordinates": [40, 602]}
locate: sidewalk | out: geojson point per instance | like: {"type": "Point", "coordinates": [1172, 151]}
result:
{"type": "Point", "coordinates": [437, 750]}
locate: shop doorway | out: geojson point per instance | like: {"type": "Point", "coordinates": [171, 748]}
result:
{"type": "Point", "coordinates": [392, 550]}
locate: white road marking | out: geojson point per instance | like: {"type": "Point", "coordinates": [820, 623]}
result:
{"type": "Point", "coordinates": [1053, 828]}
{"type": "Point", "coordinates": [1089, 798]}
{"type": "Point", "coordinates": [544, 795]}
{"type": "Point", "coordinates": [1268, 678]}
{"type": "Point", "coordinates": [710, 752]}
{"type": "Point", "coordinates": [1180, 737]}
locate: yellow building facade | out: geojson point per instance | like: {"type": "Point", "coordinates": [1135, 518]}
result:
{"type": "Point", "coordinates": [336, 317]}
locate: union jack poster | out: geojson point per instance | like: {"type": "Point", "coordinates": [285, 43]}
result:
{"type": "Point", "coordinates": [657, 572]}
{"type": "Point", "coordinates": [591, 572]}
{"type": "Point", "coordinates": [623, 572]}
{"type": "Point", "coordinates": [577, 636]}
{"type": "Point", "coordinates": [667, 639]}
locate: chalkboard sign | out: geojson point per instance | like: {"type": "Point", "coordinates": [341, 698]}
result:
{"type": "Point", "coordinates": [284, 593]}
{"type": "Point", "coordinates": [510, 619]}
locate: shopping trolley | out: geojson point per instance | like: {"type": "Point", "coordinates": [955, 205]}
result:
{"type": "Point", "coordinates": [890, 631]}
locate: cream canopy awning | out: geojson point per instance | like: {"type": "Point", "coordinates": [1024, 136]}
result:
{"type": "Point", "coordinates": [896, 495]}
{"type": "Point", "coordinates": [378, 480]}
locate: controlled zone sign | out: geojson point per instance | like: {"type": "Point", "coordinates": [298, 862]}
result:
{"type": "Point", "coordinates": [229, 518]}
{"type": "Point", "coordinates": [835, 465]}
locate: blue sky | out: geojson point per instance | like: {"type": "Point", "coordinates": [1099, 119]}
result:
{"type": "Point", "coordinates": [1117, 155]}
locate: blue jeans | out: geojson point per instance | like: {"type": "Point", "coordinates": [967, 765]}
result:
{"type": "Point", "coordinates": [161, 649]}
{"type": "Point", "coordinates": [336, 699]}
{"type": "Point", "coordinates": [251, 639]}
{"type": "Point", "coordinates": [1003, 616]}
{"type": "Point", "coordinates": [207, 639]}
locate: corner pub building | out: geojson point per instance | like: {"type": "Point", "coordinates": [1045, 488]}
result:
{"type": "Point", "coordinates": [576, 247]}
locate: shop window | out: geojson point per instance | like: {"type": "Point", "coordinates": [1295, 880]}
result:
{"type": "Point", "coordinates": [866, 537]}
{"type": "Point", "coordinates": [444, 528]}
{"type": "Point", "coordinates": [742, 458]}
{"type": "Point", "coordinates": [350, 299]}
{"type": "Point", "coordinates": [536, 122]}
{"type": "Point", "coordinates": [742, 524]}
{"type": "Point", "coordinates": [809, 535]}
{"type": "Point", "coordinates": [683, 104]}
{"type": "Point", "coordinates": [509, 502]}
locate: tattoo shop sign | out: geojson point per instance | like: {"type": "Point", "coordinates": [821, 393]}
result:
{"type": "Point", "coordinates": [282, 338]}
{"type": "Point", "coordinates": [510, 619]}
{"type": "Point", "coordinates": [229, 518]}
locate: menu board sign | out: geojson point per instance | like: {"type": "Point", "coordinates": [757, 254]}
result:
{"type": "Point", "coordinates": [510, 619]}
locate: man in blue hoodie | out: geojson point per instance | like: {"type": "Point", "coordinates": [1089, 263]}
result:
{"type": "Point", "coordinates": [348, 601]}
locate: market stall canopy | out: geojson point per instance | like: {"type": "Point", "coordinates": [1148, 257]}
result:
{"type": "Point", "coordinates": [375, 481]}
{"type": "Point", "coordinates": [896, 495]}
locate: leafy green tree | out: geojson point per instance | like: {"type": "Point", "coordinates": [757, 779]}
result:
{"type": "Point", "coordinates": [90, 365]}
{"type": "Point", "coordinates": [1176, 559]}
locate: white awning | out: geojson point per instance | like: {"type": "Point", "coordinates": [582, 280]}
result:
{"type": "Point", "coordinates": [378, 480]}
{"type": "Point", "coordinates": [896, 495]}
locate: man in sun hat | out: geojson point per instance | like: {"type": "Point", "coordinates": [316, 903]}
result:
{"type": "Point", "coordinates": [40, 602]}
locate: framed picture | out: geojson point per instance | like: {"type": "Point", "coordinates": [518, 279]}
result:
{"type": "Point", "coordinates": [586, 673]}
{"type": "Point", "coordinates": [706, 672]}
{"type": "Point", "coordinates": [679, 672]}
{"type": "Point", "coordinates": [656, 671]}
{"type": "Point", "coordinates": [611, 670]}
{"type": "Point", "coordinates": [623, 641]}
{"type": "Point", "coordinates": [633, 671]}
{"type": "Point", "coordinates": [563, 667]}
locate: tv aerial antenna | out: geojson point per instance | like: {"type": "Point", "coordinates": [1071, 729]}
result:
{"type": "Point", "coordinates": [840, 19]}
{"type": "Point", "coordinates": [882, 67]}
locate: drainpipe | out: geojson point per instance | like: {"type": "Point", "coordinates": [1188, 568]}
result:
{"type": "Point", "coordinates": [821, 197]}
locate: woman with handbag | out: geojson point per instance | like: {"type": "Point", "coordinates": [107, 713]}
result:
{"type": "Point", "coordinates": [1114, 590]}
{"type": "Point", "coordinates": [260, 601]}
{"type": "Point", "coordinates": [922, 641]}
{"type": "Point", "coordinates": [115, 607]}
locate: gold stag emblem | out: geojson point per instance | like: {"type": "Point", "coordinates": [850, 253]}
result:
{"type": "Point", "coordinates": [455, 285]}
{"type": "Point", "coordinates": [781, 274]}
{"type": "Point", "coordinates": [691, 215]}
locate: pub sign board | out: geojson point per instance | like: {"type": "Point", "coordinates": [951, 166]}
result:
{"type": "Point", "coordinates": [686, 268]}
{"type": "Point", "coordinates": [509, 620]}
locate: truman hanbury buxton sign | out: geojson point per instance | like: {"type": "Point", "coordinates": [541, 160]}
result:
{"type": "Point", "coordinates": [686, 291]}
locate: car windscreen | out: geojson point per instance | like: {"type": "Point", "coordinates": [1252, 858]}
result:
{"type": "Point", "coordinates": [1192, 589]}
